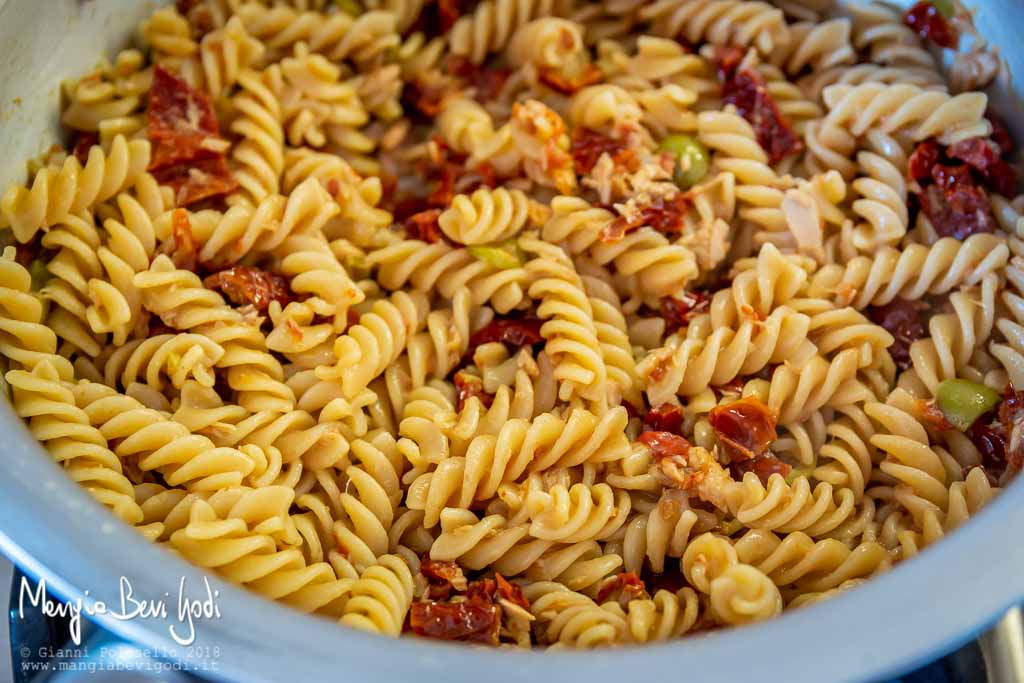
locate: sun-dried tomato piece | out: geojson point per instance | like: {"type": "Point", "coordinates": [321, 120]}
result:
{"type": "Point", "coordinates": [426, 94]}
{"type": "Point", "coordinates": [904, 320]}
{"type": "Point", "coordinates": [746, 90]}
{"type": "Point", "coordinates": [511, 592]}
{"type": "Point", "coordinates": [984, 156]}
{"type": "Point", "coordinates": [197, 179]}
{"type": "Point", "coordinates": [929, 23]}
{"type": "Point", "coordinates": [186, 251]}
{"type": "Point", "coordinates": [1011, 417]}
{"type": "Point", "coordinates": [668, 417]}
{"type": "Point", "coordinates": [83, 143]}
{"type": "Point", "coordinates": [180, 120]}
{"type": "Point", "coordinates": [449, 11]}
{"type": "Point", "coordinates": [727, 61]}
{"type": "Point", "coordinates": [567, 83]}
{"type": "Point", "coordinates": [764, 466]}
{"type": "Point", "coordinates": [586, 146]}
{"type": "Point", "coordinates": [666, 215]}
{"type": "Point", "coordinates": [467, 386]}
{"type": "Point", "coordinates": [515, 333]}
{"type": "Point", "coordinates": [487, 81]}
{"type": "Point", "coordinates": [245, 285]}
{"type": "Point", "coordinates": [664, 444]}
{"type": "Point", "coordinates": [423, 226]}
{"type": "Point", "coordinates": [960, 210]}
{"type": "Point", "coordinates": [932, 416]}
{"type": "Point", "coordinates": [745, 428]}
{"type": "Point", "coordinates": [923, 160]}
{"type": "Point", "coordinates": [678, 312]}
{"type": "Point", "coordinates": [443, 577]}
{"type": "Point", "coordinates": [473, 621]}
{"type": "Point", "coordinates": [1000, 133]}
{"type": "Point", "coordinates": [622, 588]}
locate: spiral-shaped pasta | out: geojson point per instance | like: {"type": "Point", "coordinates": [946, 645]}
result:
{"type": "Point", "coordinates": [921, 113]}
{"type": "Point", "coordinates": [376, 342]}
{"type": "Point", "coordinates": [40, 396]}
{"type": "Point", "coordinates": [810, 565]}
{"type": "Point", "coordinates": [57, 193]}
{"type": "Point", "coordinates": [954, 337]}
{"type": "Point", "coordinates": [380, 598]}
{"type": "Point", "coordinates": [818, 45]}
{"type": "Point", "coordinates": [576, 513]}
{"type": "Point", "coordinates": [660, 267]}
{"type": "Point", "coordinates": [237, 544]}
{"type": "Point", "coordinates": [520, 445]}
{"type": "Point", "coordinates": [182, 302]}
{"type": "Point", "coordinates": [491, 25]}
{"type": "Point", "coordinates": [570, 619]}
{"type": "Point", "coordinates": [337, 36]}
{"type": "Point", "coordinates": [24, 339]}
{"type": "Point", "coordinates": [719, 22]}
{"type": "Point", "coordinates": [879, 30]}
{"type": "Point", "coordinates": [177, 357]}
{"type": "Point", "coordinates": [786, 507]}
{"type": "Point", "coordinates": [569, 330]}
{"type": "Point", "coordinates": [485, 216]}
{"type": "Point", "coordinates": [259, 155]}
{"type": "Point", "coordinates": [224, 54]}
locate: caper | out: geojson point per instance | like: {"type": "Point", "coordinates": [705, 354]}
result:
{"type": "Point", "coordinates": [691, 159]}
{"type": "Point", "coordinates": [963, 401]}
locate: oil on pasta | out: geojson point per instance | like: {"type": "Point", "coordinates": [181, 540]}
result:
{"type": "Point", "coordinates": [540, 323]}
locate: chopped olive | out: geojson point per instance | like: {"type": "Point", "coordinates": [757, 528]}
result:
{"type": "Point", "coordinates": [504, 256]}
{"type": "Point", "coordinates": [349, 7]}
{"type": "Point", "coordinates": [40, 274]}
{"type": "Point", "coordinates": [963, 401]}
{"type": "Point", "coordinates": [946, 8]}
{"type": "Point", "coordinates": [691, 159]}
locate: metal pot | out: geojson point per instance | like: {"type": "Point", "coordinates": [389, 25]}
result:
{"type": "Point", "coordinates": [916, 612]}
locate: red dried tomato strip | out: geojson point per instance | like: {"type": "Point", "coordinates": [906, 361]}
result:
{"type": "Point", "coordinates": [569, 83]}
{"type": "Point", "coordinates": [467, 386]}
{"type": "Point", "coordinates": [197, 179]}
{"type": "Point", "coordinates": [1011, 418]}
{"type": "Point", "coordinates": [586, 146]}
{"type": "Point", "coordinates": [664, 215]}
{"type": "Point", "coordinates": [468, 621]}
{"type": "Point", "coordinates": [423, 226]}
{"type": "Point", "coordinates": [745, 89]}
{"type": "Point", "coordinates": [678, 312]}
{"type": "Point", "coordinates": [244, 285]}
{"type": "Point", "coordinates": [442, 577]}
{"type": "Point", "coordinates": [186, 251]}
{"type": "Point", "coordinates": [180, 119]}
{"type": "Point", "coordinates": [664, 444]}
{"type": "Point", "coordinates": [904, 320]}
{"type": "Point", "coordinates": [511, 592]}
{"type": "Point", "coordinates": [929, 23]}
{"type": "Point", "coordinates": [746, 428]}
{"type": "Point", "coordinates": [486, 81]}
{"type": "Point", "coordinates": [513, 332]}
{"type": "Point", "coordinates": [983, 155]}
{"type": "Point", "coordinates": [84, 142]}
{"type": "Point", "coordinates": [923, 159]}
{"type": "Point", "coordinates": [668, 417]}
{"type": "Point", "coordinates": [1000, 133]}
{"type": "Point", "coordinates": [624, 587]}
{"type": "Point", "coordinates": [764, 466]}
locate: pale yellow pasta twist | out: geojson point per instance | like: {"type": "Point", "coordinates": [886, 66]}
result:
{"type": "Point", "coordinates": [570, 619]}
{"type": "Point", "coordinates": [485, 216]}
{"type": "Point", "coordinates": [719, 22]}
{"type": "Point", "coordinates": [380, 598]}
{"type": "Point", "coordinates": [382, 334]}
{"type": "Point", "coordinates": [181, 301]}
{"type": "Point", "coordinates": [59, 192]}
{"type": "Point", "coordinates": [337, 36]}
{"type": "Point", "coordinates": [441, 267]}
{"type": "Point", "coordinates": [911, 272]}
{"type": "Point", "coordinates": [790, 506]}
{"type": "Point", "coordinates": [174, 357]}
{"type": "Point", "coordinates": [234, 543]}
{"type": "Point", "coordinates": [259, 156]}
{"type": "Point", "coordinates": [491, 25]}
{"type": "Point", "coordinates": [41, 397]}
{"type": "Point", "coordinates": [24, 339]}
{"type": "Point", "coordinates": [519, 446]}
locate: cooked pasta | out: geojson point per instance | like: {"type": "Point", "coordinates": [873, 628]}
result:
{"type": "Point", "coordinates": [527, 310]}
